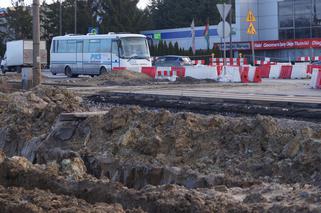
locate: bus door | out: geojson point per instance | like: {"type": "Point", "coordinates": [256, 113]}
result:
{"type": "Point", "coordinates": [115, 60]}
{"type": "Point", "coordinates": [79, 57]}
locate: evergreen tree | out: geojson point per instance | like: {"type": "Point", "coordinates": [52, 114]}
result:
{"type": "Point", "coordinates": [176, 49]}
{"type": "Point", "coordinates": [18, 21]}
{"type": "Point", "coordinates": [160, 48]}
{"type": "Point", "coordinates": [120, 16]}
{"type": "Point", "coordinates": [165, 48]}
{"type": "Point", "coordinates": [171, 49]}
{"type": "Point", "coordinates": [179, 13]}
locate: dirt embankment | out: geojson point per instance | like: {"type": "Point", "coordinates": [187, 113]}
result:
{"type": "Point", "coordinates": [26, 116]}
{"type": "Point", "coordinates": [139, 147]}
{"type": "Point", "coordinates": [137, 160]}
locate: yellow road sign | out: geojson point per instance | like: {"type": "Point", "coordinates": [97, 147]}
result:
{"type": "Point", "coordinates": [251, 30]}
{"type": "Point", "coordinates": [250, 17]}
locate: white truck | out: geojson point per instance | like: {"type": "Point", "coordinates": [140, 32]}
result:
{"type": "Point", "coordinates": [19, 54]}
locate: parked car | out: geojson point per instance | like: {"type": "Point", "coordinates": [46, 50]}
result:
{"type": "Point", "coordinates": [173, 61]}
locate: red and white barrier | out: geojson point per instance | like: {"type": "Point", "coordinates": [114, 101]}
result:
{"type": "Point", "coordinates": [244, 72]}
{"type": "Point", "coordinates": [164, 73]}
{"type": "Point", "coordinates": [198, 62]}
{"type": "Point", "coordinates": [286, 72]}
{"type": "Point", "coordinates": [308, 59]}
{"type": "Point", "coordinates": [229, 61]}
{"type": "Point", "coordinates": [264, 70]}
{"type": "Point", "coordinates": [150, 71]}
{"type": "Point", "coordinates": [252, 74]}
{"type": "Point", "coordinates": [316, 79]}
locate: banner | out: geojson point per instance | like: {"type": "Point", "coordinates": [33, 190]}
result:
{"type": "Point", "coordinates": [288, 44]}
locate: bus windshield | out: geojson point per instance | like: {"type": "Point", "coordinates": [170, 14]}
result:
{"type": "Point", "coordinates": [134, 47]}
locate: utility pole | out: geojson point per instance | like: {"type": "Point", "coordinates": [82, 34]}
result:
{"type": "Point", "coordinates": [75, 16]}
{"type": "Point", "coordinates": [60, 17]}
{"type": "Point", "coordinates": [36, 44]}
{"type": "Point", "coordinates": [231, 49]}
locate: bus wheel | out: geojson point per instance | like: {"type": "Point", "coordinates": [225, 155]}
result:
{"type": "Point", "coordinates": [68, 72]}
{"type": "Point", "coordinates": [102, 70]}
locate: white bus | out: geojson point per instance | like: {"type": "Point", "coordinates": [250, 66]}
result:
{"type": "Point", "coordinates": [92, 55]}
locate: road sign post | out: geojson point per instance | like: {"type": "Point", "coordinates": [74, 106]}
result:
{"type": "Point", "coordinates": [251, 31]}
{"type": "Point", "coordinates": [224, 10]}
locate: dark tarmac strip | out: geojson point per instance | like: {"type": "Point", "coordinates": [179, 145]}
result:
{"type": "Point", "coordinates": [284, 107]}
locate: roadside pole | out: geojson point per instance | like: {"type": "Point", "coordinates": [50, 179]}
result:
{"type": "Point", "coordinates": [230, 19]}
{"type": "Point", "coordinates": [253, 51]}
{"type": "Point", "coordinates": [223, 28]}
{"type": "Point", "coordinates": [75, 17]}
{"type": "Point", "coordinates": [224, 62]}
{"type": "Point", "coordinates": [36, 44]}
{"type": "Point", "coordinates": [251, 31]}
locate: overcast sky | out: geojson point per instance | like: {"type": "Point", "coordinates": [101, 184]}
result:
{"type": "Point", "coordinates": [6, 3]}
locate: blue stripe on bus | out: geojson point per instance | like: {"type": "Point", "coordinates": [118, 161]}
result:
{"type": "Point", "coordinates": [84, 62]}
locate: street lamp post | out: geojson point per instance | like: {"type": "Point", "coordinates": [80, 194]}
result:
{"type": "Point", "coordinates": [60, 17]}
{"type": "Point", "coordinates": [36, 43]}
{"type": "Point", "coordinates": [75, 16]}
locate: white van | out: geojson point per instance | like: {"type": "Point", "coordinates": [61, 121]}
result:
{"type": "Point", "coordinates": [92, 55]}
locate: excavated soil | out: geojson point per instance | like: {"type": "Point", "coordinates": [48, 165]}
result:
{"type": "Point", "coordinates": [28, 116]}
{"type": "Point", "coordinates": [112, 78]}
{"type": "Point", "coordinates": [137, 160]}
{"type": "Point", "coordinates": [5, 86]}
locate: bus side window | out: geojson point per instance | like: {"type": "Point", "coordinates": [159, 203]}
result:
{"type": "Point", "coordinates": [53, 46]}
{"type": "Point", "coordinates": [106, 45]}
{"type": "Point", "coordinates": [86, 46]}
{"type": "Point", "coordinates": [114, 48]}
{"type": "Point", "coordinates": [62, 46]}
{"type": "Point", "coordinates": [71, 46]}
{"type": "Point", "coordinates": [94, 46]}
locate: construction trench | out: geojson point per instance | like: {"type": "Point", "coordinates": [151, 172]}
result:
{"type": "Point", "coordinates": [65, 153]}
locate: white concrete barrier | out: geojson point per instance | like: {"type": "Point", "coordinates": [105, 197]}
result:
{"type": "Point", "coordinates": [299, 71]}
{"type": "Point", "coordinates": [201, 72]}
{"type": "Point", "coordinates": [230, 74]}
{"type": "Point", "coordinates": [275, 71]}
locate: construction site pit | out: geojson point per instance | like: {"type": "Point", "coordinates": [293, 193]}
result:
{"type": "Point", "coordinates": [60, 155]}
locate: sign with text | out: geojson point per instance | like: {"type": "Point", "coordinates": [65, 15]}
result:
{"type": "Point", "coordinates": [288, 44]}
{"type": "Point", "coordinates": [236, 46]}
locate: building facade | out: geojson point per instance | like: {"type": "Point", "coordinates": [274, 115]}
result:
{"type": "Point", "coordinates": [286, 29]}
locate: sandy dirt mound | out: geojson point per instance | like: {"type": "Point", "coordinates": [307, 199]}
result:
{"type": "Point", "coordinates": [19, 178]}
{"type": "Point", "coordinates": [124, 78]}
{"type": "Point", "coordinates": [28, 115]}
